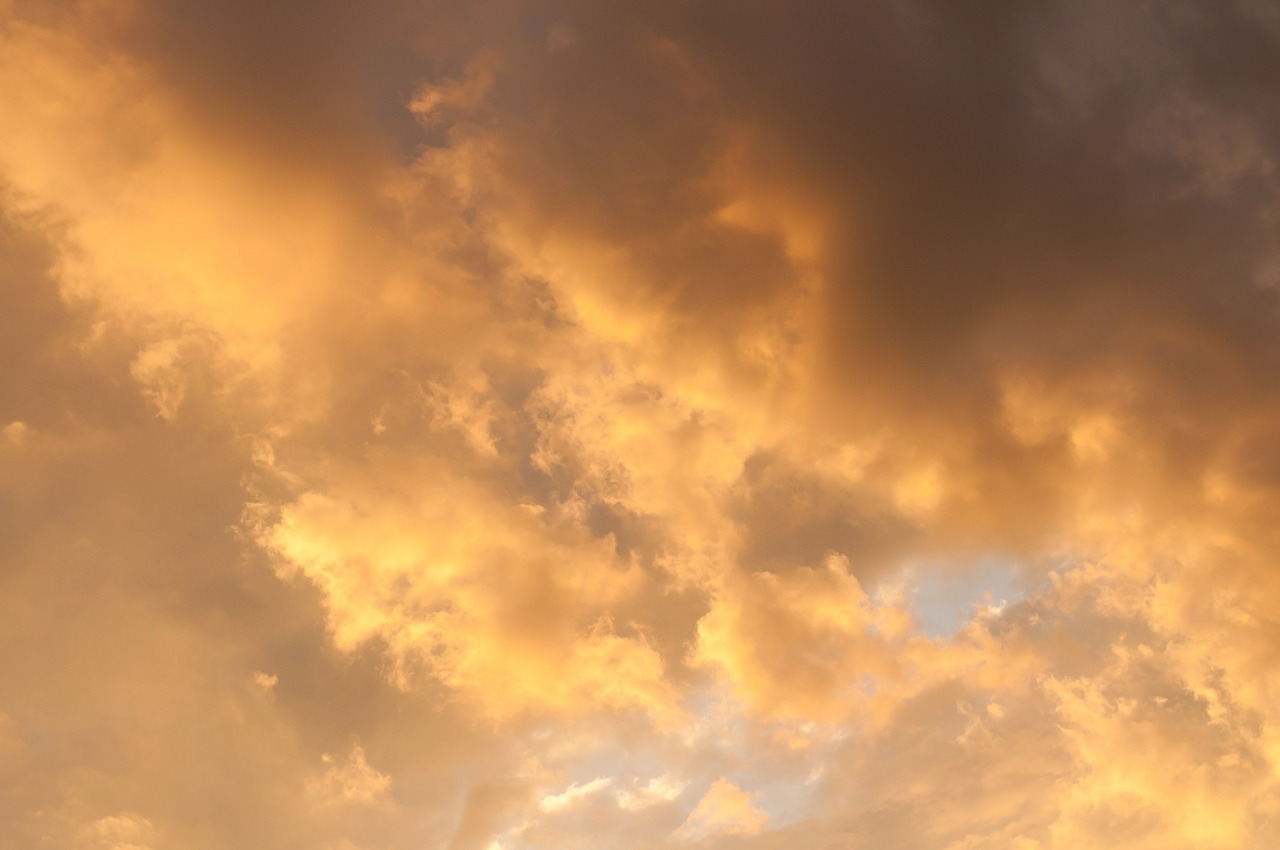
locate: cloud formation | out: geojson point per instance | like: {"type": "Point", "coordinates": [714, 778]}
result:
{"type": "Point", "coordinates": [527, 425]}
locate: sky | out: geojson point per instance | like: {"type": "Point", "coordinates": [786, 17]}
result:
{"type": "Point", "coordinates": [620, 425]}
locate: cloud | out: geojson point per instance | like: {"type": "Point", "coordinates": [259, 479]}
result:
{"type": "Point", "coordinates": [724, 810]}
{"type": "Point", "coordinates": [494, 599]}
{"type": "Point", "coordinates": [562, 402]}
{"type": "Point", "coordinates": [657, 790]}
{"type": "Point", "coordinates": [803, 643]}
{"type": "Point", "coordinates": [567, 797]}
{"type": "Point", "coordinates": [353, 781]}
{"type": "Point", "coordinates": [123, 831]}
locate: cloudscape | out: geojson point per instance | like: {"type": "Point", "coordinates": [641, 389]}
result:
{"type": "Point", "coordinates": [558, 424]}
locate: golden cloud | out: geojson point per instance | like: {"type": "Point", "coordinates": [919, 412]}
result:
{"type": "Point", "coordinates": [726, 425]}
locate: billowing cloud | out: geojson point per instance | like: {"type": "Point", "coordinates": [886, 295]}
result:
{"type": "Point", "coordinates": [522, 425]}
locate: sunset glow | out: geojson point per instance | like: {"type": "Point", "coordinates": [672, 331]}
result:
{"type": "Point", "coordinates": [511, 425]}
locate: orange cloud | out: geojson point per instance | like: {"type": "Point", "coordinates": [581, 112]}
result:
{"type": "Point", "coordinates": [566, 403]}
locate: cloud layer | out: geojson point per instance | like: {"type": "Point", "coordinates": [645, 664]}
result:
{"type": "Point", "coordinates": [639, 425]}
